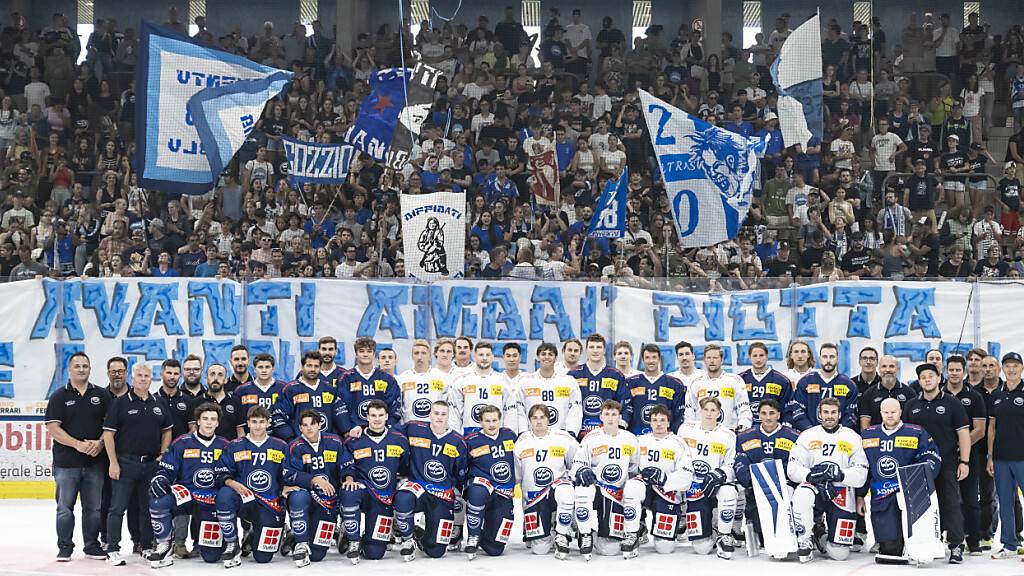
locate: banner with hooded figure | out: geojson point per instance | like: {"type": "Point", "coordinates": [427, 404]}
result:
{"type": "Point", "coordinates": [434, 234]}
{"type": "Point", "coordinates": [171, 69]}
{"type": "Point", "coordinates": [388, 124]}
{"type": "Point", "coordinates": [709, 172]}
{"type": "Point", "coordinates": [797, 74]}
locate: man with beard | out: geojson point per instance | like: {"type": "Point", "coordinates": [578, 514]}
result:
{"type": "Point", "coordinates": [181, 408]}
{"type": "Point", "coordinates": [117, 386]}
{"type": "Point", "coordinates": [240, 374]}
{"type": "Point", "coordinates": [230, 424]}
{"type": "Point", "coordinates": [868, 377]}
{"type": "Point", "coordinates": [888, 386]}
{"type": "Point", "coordinates": [855, 261]}
{"type": "Point", "coordinates": [330, 372]}
{"type": "Point", "coordinates": [193, 370]}
{"type": "Point", "coordinates": [824, 383]}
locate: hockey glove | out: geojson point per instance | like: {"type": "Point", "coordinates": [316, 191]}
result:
{"type": "Point", "coordinates": [835, 473]}
{"type": "Point", "coordinates": [819, 474]}
{"type": "Point", "coordinates": [654, 476]}
{"type": "Point", "coordinates": [159, 486]}
{"type": "Point", "coordinates": [713, 481]}
{"type": "Point", "coordinates": [585, 477]}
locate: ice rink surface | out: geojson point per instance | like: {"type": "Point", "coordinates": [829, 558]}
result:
{"type": "Point", "coordinates": [28, 546]}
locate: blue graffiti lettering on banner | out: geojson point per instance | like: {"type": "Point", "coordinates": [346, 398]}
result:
{"type": "Point", "coordinates": [224, 305]}
{"type": "Point", "coordinates": [913, 312]}
{"type": "Point", "coordinates": [740, 329]}
{"type": "Point", "coordinates": [855, 296]}
{"type": "Point", "coordinates": [672, 311]}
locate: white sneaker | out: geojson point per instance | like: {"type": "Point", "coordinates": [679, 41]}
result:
{"type": "Point", "coordinates": [115, 559]}
{"type": "Point", "coordinates": [1004, 554]}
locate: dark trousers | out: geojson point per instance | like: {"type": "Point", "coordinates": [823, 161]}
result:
{"type": "Point", "coordinates": [133, 510]}
{"type": "Point", "coordinates": [952, 517]}
{"type": "Point", "coordinates": [969, 504]}
{"type": "Point", "coordinates": [74, 484]}
{"type": "Point", "coordinates": [130, 490]}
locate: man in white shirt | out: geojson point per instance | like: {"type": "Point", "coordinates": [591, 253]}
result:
{"type": "Point", "coordinates": [36, 91]}
{"type": "Point", "coordinates": [483, 119]}
{"type": "Point", "coordinates": [843, 149]}
{"type": "Point", "coordinates": [634, 232]}
{"type": "Point", "coordinates": [778, 36]}
{"type": "Point", "coordinates": [579, 39]}
{"type": "Point", "coordinates": [945, 38]}
{"type": "Point", "coordinates": [884, 147]}
{"type": "Point", "coordinates": [797, 199]}
{"type": "Point", "coordinates": [686, 373]}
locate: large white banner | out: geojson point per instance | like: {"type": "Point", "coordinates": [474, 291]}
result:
{"type": "Point", "coordinates": [149, 320]}
{"type": "Point", "coordinates": [434, 235]}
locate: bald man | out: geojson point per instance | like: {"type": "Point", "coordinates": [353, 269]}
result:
{"type": "Point", "coordinates": [888, 446]}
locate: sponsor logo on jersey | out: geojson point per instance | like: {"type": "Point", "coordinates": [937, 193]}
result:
{"type": "Point", "coordinates": [558, 452]}
{"type": "Point", "coordinates": [380, 385]}
{"type": "Point", "coordinates": [813, 388]}
{"type": "Point", "coordinates": [496, 390]}
{"type": "Point", "coordinates": [434, 471]}
{"type": "Point", "coordinates": [394, 451]}
{"type": "Point", "coordinates": [598, 450]}
{"type": "Point", "coordinates": [259, 480]}
{"type": "Point", "coordinates": [637, 391]}
{"type": "Point", "coordinates": [216, 454]}
{"type": "Point", "coordinates": [330, 455]}
{"type": "Point", "coordinates": [249, 399]}
{"type": "Point", "coordinates": [354, 386]}
{"type": "Point", "coordinates": [307, 459]}
{"type": "Point", "coordinates": [840, 389]}
{"type": "Point", "coordinates": [845, 447]}
{"type": "Point", "coordinates": [562, 391]}
{"type": "Point", "coordinates": [362, 453]}
{"type": "Point", "coordinates": [727, 392]}
{"type": "Point", "coordinates": [668, 454]}
{"type": "Point", "coordinates": [814, 445]}
{"type": "Point", "coordinates": [870, 443]}
{"type": "Point", "coordinates": [159, 412]}
{"type": "Point", "coordinates": [717, 448]}
{"type": "Point", "coordinates": [906, 442]}
{"type": "Point", "coordinates": [275, 456]}
{"type": "Point", "coordinates": [666, 392]}
{"type": "Point", "coordinates": [610, 384]}
{"type": "Point", "coordinates": [543, 476]}
{"type": "Point", "coordinates": [479, 451]}
{"type": "Point", "coordinates": [773, 389]}
{"type": "Point", "coordinates": [501, 472]}
{"type": "Point", "coordinates": [243, 455]}
{"type": "Point", "coordinates": [95, 400]}
{"type": "Point", "coordinates": [751, 444]}
{"type": "Point", "coordinates": [408, 386]}
{"type": "Point", "coordinates": [450, 451]}
{"type": "Point", "coordinates": [527, 453]}
{"type": "Point", "coordinates": [301, 398]}
{"type": "Point", "coordinates": [508, 445]}
{"type": "Point", "coordinates": [191, 453]}
{"type": "Point", "coordinates": [469, 389]}
{"type": "Point", "coordinates": [940, 409]}
{"type": "Point", "coordinates": [419, 442]}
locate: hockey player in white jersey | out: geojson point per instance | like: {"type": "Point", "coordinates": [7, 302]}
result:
{"type": "Point", "coordinates": [730, 390]}
{"type": "Point", "coordinates": [544, 458]}
{"type": "Point", "coordinates": [559, 392]}
{"type": "Point", "coordinates": [512, 356]}
{"type": "Point", "coordinates": [829, 463]}
{"type": "Point", "coordinates": [421, 385]}
{"type": "Point", "coordinates": [482, 386]}
{"type": "Point", "coordinates": [463, 361]}
{"type": "Point", "coordinates": [608, 498]}
{"type": "Point", "coordinates": [686, 371]}
{"type": "Point", "coordinates": [572, 350]}
{"type": "Point", "coordinates": [711, 495]}
{"type": "Point", "coordinates": [622, 354]}
{"type": "Point", "coordinates": [666, 467]}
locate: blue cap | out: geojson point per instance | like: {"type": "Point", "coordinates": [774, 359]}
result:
{"type": "Point", "coordinates": [1012, 357]}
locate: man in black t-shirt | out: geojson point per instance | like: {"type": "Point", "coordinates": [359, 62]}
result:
{"type": "Point", "coordinates": [810, 260]}
{"type": "Point", "coordinates": [921, 149]}
{"type": "Point", "coordinates": [920, 193]}
{"type": "Point", "coordinates": [783, 262]}
{"type": "Point", "coordinates": [1009, 198]}
{"type": "Point", "coordinates": [855, 261]}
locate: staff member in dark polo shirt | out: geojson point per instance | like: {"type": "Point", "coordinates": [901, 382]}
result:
{"type": "Point", "coordinates": [1006, 450]}
{"type": "Point", "coordinates": [868, 377]}
{"type": "Point", "coordinates": [74, 419]}
{"type": "Point", "coordinates": [181, 405]}
{"type": "Point", "coordinates": [888, 387]}
{"type": "Point", "coordinates": [974, 404]}
{"type": "Point", "coordinates": [989, 387]}
{"type": "Point", "coordinates": [229, 426]}
{"type": "Point", "coordinates": [136, 432]}
{"type": "Point", "coordinates": [944, 417]}
{"type": "Point", "coordinates": [240, 374]}
{"type": "Point", "coordinates": [117, 386]}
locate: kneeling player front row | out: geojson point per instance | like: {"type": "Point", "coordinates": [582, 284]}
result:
{"type": "Point", "coordinates": [600, 492]}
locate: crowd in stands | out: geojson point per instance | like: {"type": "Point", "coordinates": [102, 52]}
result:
{"type": "Point", "coordinates": [901, 185]}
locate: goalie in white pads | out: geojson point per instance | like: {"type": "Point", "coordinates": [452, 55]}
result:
{"type": "Point", "coordinates": [608, 498]}
{"type": "Point", "coordinates": [711, 494]}
{"type": "Point", "coordinates": [544, 458]}
{"type": "Point", "coordinates": [666, 467]}
{"type": "Point", "coordinates": [828, 462]}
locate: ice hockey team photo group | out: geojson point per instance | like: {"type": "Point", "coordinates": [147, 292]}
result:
{"type": "Point", "coordinates": [789, 462]}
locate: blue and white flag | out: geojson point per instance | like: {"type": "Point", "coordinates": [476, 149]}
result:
{"type": "Point", "coordinates": [171, 69]}
{"type": "Point", "coordinates": [709, 172]}
{"type": "Point", "coordinates": [609, 219]}
{"type": "Point", "coordinates": [225, 115]}
{"type": "Point", "coordinates": [317, 163]}
{"type": "Point", "coordinates": [434, 234]}
{"type": "Point", "coordinates": [919, 512]}
{"type": "Point", "coordinates": [796, 74]}
{"type": "Point", "coordinates": [388, 125]}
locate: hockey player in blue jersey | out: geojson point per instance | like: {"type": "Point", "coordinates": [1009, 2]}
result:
{"type": "Point", "coordinates": [379, 455]}
{"type": "Point", "coordinates": [766, 440]}
{"type": "Point", "coordinates": [364, 383]}
{"type": "Point", "coordinates": [309, 392]}
{"type": "Point", "coordinates": [490, 484]}
{"type": "Point", "coordinates": [599, 382]}
{"type": "Point", "coordinates": [250, 474]}
{"type": "Point", "coordinates": [437, 469]}
{"type": "Point", "coordinates": [888, 446]}
{"type": "Point", "coordinates": [330, 373]}
{"type": "Point", "coordinates": [653, 388]}
{"type": "Point", "coordinates": [826, 382]}
{"type": "Point", "coordinates": [764, 382]}
{"type": "Point", "coordinates": [185, 484]}
{"type": "Point", "coordinates": [263, 390]}
{"type": "Point", "coordinates": [314, 469]}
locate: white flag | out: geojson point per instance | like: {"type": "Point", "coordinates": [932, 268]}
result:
{"type": "Point", "coordinates": [434, 234]}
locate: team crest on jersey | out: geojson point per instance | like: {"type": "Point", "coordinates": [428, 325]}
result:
{"type": "Point", "coordinates": [612, 474]}
{"type": "Point", "coordinates": [434, 471]}
{"type": "Point", "coordinates": [380, 476]}
{"type": "Point", "coordinates": [259, 480]}
{"type": "Point", "coordinates": [592, 404]}
{"type": "Point", "coordinates": [421, 407]}
{"type": "Point", "coordinates": [553, 415]}
{"type": "Point", "coordinates": [158, 411]}
{"type": "Point", "coordinates": [887, 466]}
{"type": "Point", "coordinates": [543, 476]}
{"type": "Point", "coordinates": [501, 472]}
{"type": "Point", "coordinates": [203, 478]}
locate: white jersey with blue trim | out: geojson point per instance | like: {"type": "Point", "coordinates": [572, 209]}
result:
{"type": "Point", "coordinates": [731, 392]}
{"type": "Point", "coordinates": [711, 449]}
{"type": "Point", "coordinates": [543, 461]}
{"type": "Point", "coordinates": [419, 392]}
{"type": "Point", "coordinates": [614, 459]}
{"type": "Point", "coordinates": [469, 393]}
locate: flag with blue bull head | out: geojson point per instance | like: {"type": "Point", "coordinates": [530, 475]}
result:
{"type": "Point", "coordinates": [171, 69]}
{"type": "Point", "coordinates": [709, 172]}
{"type": "Point", "coordinates": [796, 74]}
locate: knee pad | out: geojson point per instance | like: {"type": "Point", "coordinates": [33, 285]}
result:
{"type": "Point", "coordinates": [634, 489]}
{"type": "Point", "coordinates": [703, 546]}
{"type": "Point", "coordinates": [564, 496]}
{"type": "Point", "coordinates": [584, 495]}
{"type": "Point", "coordinates": [542, 546]}
{"type": "Point", "coordinates": [434, 550]}
{"type": "Point", "coordinates": [606, 546]}
{"type": "Point", "coordinates": [664, 545]}
{"type": "Point", "coordinates": [803, 498]}
{"type": "Point", "coordinates": [837, 551]}
{"type": "Point", "coordinates": [405, 501]}
{"type": "Point", "coordinates": [317, 553]}
{"type": "Point", "coordinates": [726, 497]}
{"type": "Point", "coordinates": [492, 548]}
{"type": "Point", "coordinates": [299, 500]}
